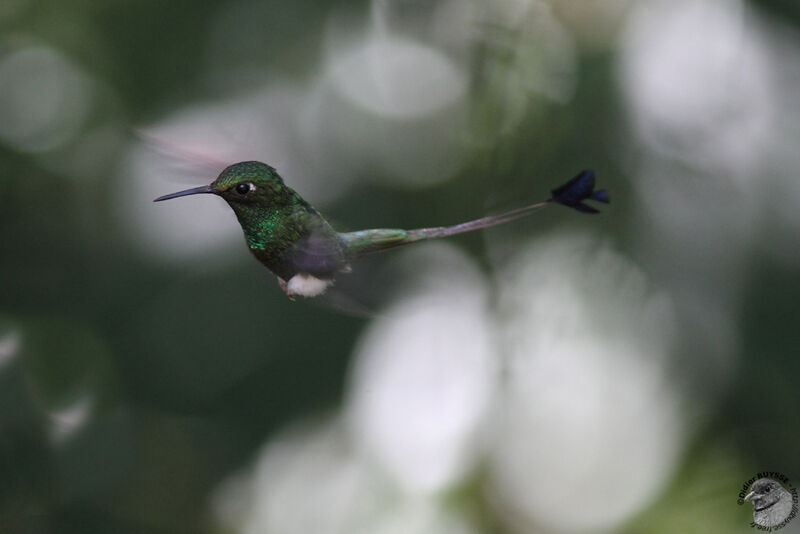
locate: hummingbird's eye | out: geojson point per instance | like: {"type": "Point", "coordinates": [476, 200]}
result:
{"type": "Point", "coordinates": [244, 188]}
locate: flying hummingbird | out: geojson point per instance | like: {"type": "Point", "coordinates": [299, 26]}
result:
{"type": "Point", "coordinates": [296, 243]}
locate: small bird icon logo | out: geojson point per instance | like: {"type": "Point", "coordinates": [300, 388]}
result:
{"type": "Point", "coordinates": [772, 503]}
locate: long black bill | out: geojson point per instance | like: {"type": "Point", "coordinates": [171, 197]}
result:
{"type": "Point", "coordinates": [192, 191]}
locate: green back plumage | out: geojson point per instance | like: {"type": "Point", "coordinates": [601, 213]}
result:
{"type": "Point", "coordinates": [282, 230]}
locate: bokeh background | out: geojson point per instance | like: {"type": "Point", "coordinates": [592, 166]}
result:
{"type": "Point", "coordinates": [625, 372]}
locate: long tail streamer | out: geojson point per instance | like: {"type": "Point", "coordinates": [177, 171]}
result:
{"type": "Point", "coordinates": [571, 194]}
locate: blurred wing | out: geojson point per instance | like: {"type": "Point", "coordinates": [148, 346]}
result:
{"type": "Point", "coordinates": [342, 300]}
{"type": "Point", "coordinates": [174, 159]}
{"type": "Point", "coordinates": [318, 253]}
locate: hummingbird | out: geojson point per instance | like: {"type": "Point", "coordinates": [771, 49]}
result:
{"type": "Point", "coordinates": [294, 241]}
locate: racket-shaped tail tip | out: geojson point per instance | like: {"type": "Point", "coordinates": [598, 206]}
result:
{"type": "Point", "coordinates": [573, 193]}
{"type": "Point", "coordinates": [601, 196]}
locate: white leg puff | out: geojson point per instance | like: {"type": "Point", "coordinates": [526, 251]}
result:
{"type": "Point", "coordinates": [306, 285]}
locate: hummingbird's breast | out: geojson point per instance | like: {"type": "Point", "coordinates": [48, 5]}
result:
{"type": "Point", "coordinates": [300, 244]}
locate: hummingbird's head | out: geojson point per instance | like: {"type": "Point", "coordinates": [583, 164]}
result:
{"type": "Point", "coordinates": [242, 184]}
{"type": "Point", "coordinates": [249, 182]}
